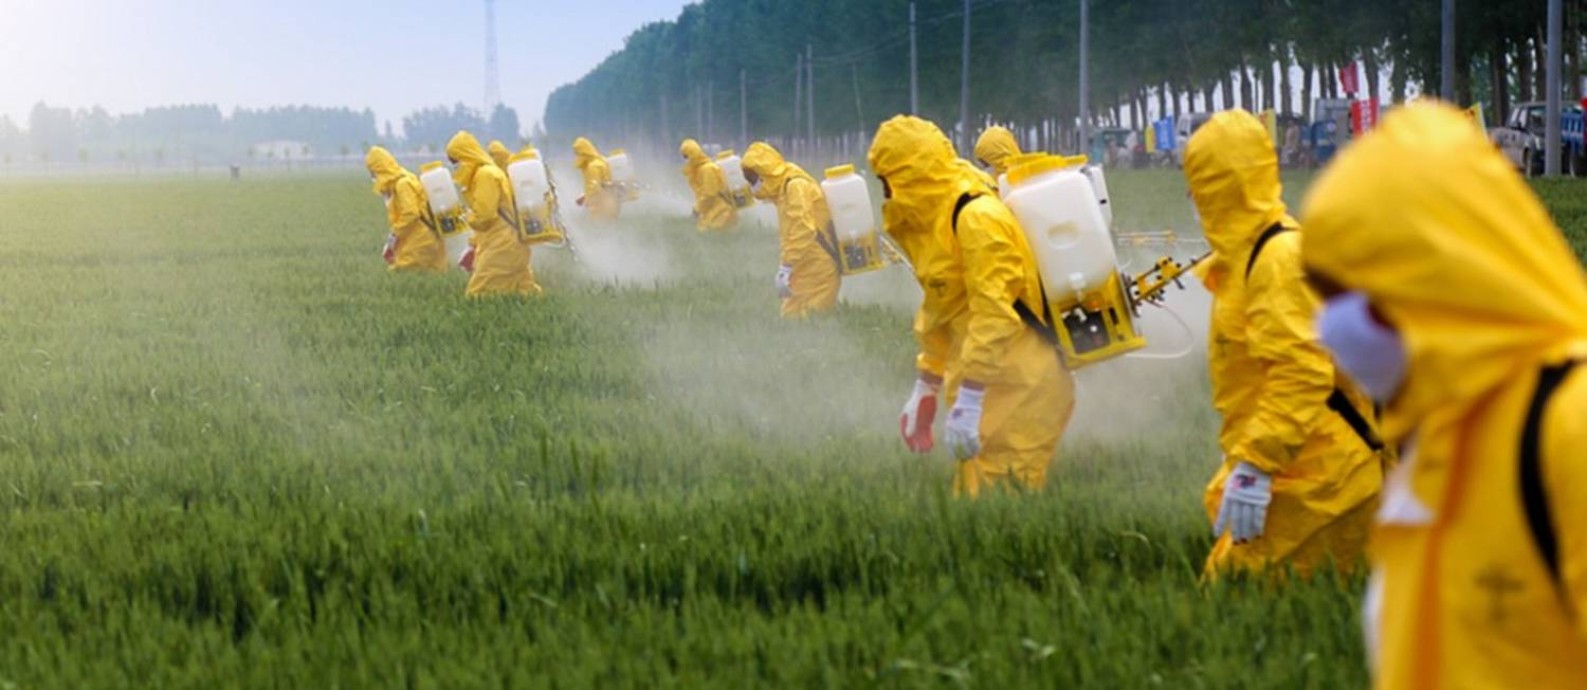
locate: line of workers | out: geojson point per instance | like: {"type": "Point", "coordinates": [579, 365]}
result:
{"type": "Point", "coordinates": [1401, 366]}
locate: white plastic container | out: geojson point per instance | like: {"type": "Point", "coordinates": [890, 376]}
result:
{"type": "Point", "coordinates": [1058, 211]}
{"type": "Point", "coordinates": [438, 187]}
{"type": "Point", "coordinates": [1099, 186]}
{"type": "Point", "coordinates": [853, 220]}
{"type": "Point", "coordinates": [622, 168]}
{"type": "Point", "coordinates": [530, 185]}
{"type": "Point", "coordinates": [733, 167]}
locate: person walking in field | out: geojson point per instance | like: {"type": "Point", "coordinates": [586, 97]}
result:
{"type": "Point", "coordinates": [980, 326]}
{"type": "Point", "coordinates": [995, 149]}
{"type": "Point", "coordinates": [807, 275]}
{"type": "Point", "coordinates": [1303, 463]}
{"type": "Point", "coordinates": [713, 203]}
{"type": "Point", "coordinates": [1456, 301]}
{"type": "Point", "coordinates": [414, 244]}
{"type": "Point", "coordinates": [500, 264]}
{"type": "Point", "coordinates": [602, 199]}
{"type": "Point", "coordinates": [499, 154]}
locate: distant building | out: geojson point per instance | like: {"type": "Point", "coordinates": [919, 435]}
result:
{"type": "Point", "coordinates": [283, 150]}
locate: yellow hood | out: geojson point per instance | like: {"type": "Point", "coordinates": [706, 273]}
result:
{"type": "Point", "coordinates": [1427, 219]}
{"type": "Point", "coordinates": [385, 169]}
{"type": "Point", "coordinates": [499, 154]}
{"type": "Point", "coordinates": [926, 178]}
{"type": "Point", "coordinates": [694, 156]}
{"type": "Point", "coordinates": [773, 170]}
{"type": "Point", "coordinates": [995, 147]}
{"type": "Point", "coordinates": [528, 151]}
{"type": "Point", "coordinates": [584, 153]}
{"type": "Point", "coordinates": [465, 149]}
{"type": "Point", "coordinates": [1234, 182]}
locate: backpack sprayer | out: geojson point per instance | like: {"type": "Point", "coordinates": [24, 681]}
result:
{"type": "Point", "coordinates": [540, 220]}
{"type": "Point", "coordinates": [446, 209]}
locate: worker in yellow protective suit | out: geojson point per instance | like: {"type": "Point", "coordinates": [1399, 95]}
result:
{"type": "Point", "coordinates": [602, 200]}
{"type": "Point", "coordinates": [713, 203]}
{"type": "Point", "coordinates": [807, 277]}
{"type": "Point", "coordinates": [995, 148]}
{"type": "Point", "coordinates": [984, 338]}
{"type": "Point", "coordinates": [500, 258]}
{"type": "Point", "coordinates": [1459, 305]}
{"type": "Point", "coordinates": [499, 154]}
{"type": "Point", "coordinates": [414, 243]}
{"type": "Point", "coordinates": [1303, 463]}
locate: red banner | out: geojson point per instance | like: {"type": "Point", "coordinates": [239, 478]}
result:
{"type": "Point", "coordinates": [1363, 115]}
{"type": "Point", "coordinates": [1349, 80]}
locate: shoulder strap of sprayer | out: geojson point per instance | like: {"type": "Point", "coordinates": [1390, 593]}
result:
{"type": "Point", "coordinates": [1047, 332]}
{"type": "Point", "coordinates": [1338, 401]}
{"type": "Point", "coordinates": [1534, 495]}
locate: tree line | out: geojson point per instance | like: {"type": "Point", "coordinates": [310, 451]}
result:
{"type": "Point", "coordinates": [1148, 59]}
{"type": "Point", "coordinates": [202, 133]}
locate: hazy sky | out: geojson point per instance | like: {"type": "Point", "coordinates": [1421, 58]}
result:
{"type": "Point", "coordinates": [390, 55]}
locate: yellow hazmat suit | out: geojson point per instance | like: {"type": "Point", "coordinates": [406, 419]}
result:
{"type": "Point", "coordinates": [713, 203]}
{"type": "Point", "coordinates": [501, 259]}
{"type": "Point", "coordinates": [995, 148]}
{"type": "Point", "coordinates": [967, 326]}
{"type": "Point", "coordinates": [419, 246]}
{"type": "Point", "coordinates": [1457, 255]}
{"type": "Point", "coordinates": [499, 154]}
{"type": "Point", "coordinates": [601, 199]}
{"type": "Point", "coordinates": [806, 244]}
{"type": "Point", "coordinates": [1271, 379]}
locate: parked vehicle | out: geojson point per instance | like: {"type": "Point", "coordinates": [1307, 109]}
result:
{"type": "Point", "coordinates": [1521, 139]}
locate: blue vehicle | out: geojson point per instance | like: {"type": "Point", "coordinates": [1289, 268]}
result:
{"type": "Point", "coordinates": [1521, 139]}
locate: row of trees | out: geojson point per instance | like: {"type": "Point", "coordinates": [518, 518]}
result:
{"type": "Point", "coordinates": [202, 133]}
{"type": "Point", "coordinates": [1148, 58]}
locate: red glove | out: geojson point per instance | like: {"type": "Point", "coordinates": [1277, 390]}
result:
{"type": "Point", "coordinates": [466, 262]}
{"type": "Point", "coordinates": [389, 252]}
{"type": "Point", "coordinates": [921, 410]}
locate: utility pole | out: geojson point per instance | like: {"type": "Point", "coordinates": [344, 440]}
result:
{"type": "Point", "coordinates": [914, 66]}
{"type": "Point", "coordinates": [1446, 72]}
{"type": "Point", "coordinates": [964, 87]}
{"type": "Point", "coordinates": [799, 98]}
{"type": "Point", "coordinates": [492, 78]}
{"type": "Point", "coordinates": [1551, 133]}
{"type": "Point", "coordinates": [854, 71]}
{"type": "Point", "coordinates": [710, 112]}
{"type": "Point", "coordinates": [743, 111]}
{"type": "Point", "coordinates": [810, 93]}
{"type": "Point", "coordinates": [1085, 77]}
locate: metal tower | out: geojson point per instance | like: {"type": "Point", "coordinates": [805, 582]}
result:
{"type": "Point", "coordinates": [492, 76]}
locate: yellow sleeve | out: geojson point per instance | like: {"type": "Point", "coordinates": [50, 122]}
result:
{"type": "Point", "coordinates": [1299, 374]}
{"type": "Point", "coordinates": [799, 225]}
{"type": "Point", "coordinates": [1563, 446]}
{"type": "Point", "coordinates": [406, 210]}
{"type": "Point", "coordinates": [935, 337]}
{"type": "Point", "coordinates": [484, 198]}
{"type": "Point", "coordinates": [715, 182]}
{"type": "Point", "coordinates": [994, 276]}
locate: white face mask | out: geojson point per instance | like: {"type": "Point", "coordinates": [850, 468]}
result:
{"type": "Point", "coordinates": [1371, 354]}
{"type": "Point", "coordinates": [755, 186]}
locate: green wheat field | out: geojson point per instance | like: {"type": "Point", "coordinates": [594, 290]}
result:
{"type": "Point", "coordinates": [235, 452]}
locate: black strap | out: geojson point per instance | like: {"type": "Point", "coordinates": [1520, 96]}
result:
{"type": "Point", "coordinates": [1340, 404]}
{"type": "Point", "coordinates": [1534, 496]}
{"type": "Point", "coordinates": [1046, 331]}
{"type": "Point", "coordinates": [828, 242]}
{"type": "Point", "coordinates": [1256, 250]}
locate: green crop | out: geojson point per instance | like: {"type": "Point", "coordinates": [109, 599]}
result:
{"type": "Point", "coordinates": [237, 453]}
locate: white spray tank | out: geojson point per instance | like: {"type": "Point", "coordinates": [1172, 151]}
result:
{"type": "Point", "coordinates": [1003, 187]}
{"type": "Point", "coordinates": [1057, 209]}
{"type": "Point", "coordinates": [447, 207]}
{"type": "Point", "coordinates": [854, 226]}
{"type": "Point", "coordinates": [733, 168]}
{"type": "Point", "coordinates": [531, 186]}
{"type": "Point", "coordinates": [623, 173]}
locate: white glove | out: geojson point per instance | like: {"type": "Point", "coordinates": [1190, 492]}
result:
{"type": "Point", "coordinates": [1246, 493]}
{"type": "Point", "coordinates": [963, 430]}
{"type": "Point", "coordinates": [784, 279]}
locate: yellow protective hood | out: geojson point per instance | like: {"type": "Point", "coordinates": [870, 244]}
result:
{"type": "Point", "coordinates": [694, 156]}
{"type": "Point", "coordinates": [465, 149]}
{"type": "Point", "coordinates": [1234, 182]}
{"type": "Point", "coordinates": [925, 176]}
{"type": "Point", "coordinates": [1428, 219]}
{"type": "Point", "coordinates": [585, 153]}
{"type": "Point", "coordinates": [385, 169]}
{"type": "Point", "coordinates": [499, 154]}
{"type": "Point", "coordinates": [995, 147]}
{"type": "Point", "coordinates": [773, 170]}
